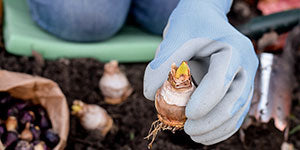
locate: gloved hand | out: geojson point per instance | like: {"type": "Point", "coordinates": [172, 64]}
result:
{"type": "Point", "coordinates": [222, 62]}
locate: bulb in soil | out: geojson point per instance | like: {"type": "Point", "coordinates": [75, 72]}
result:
{"type": "Point", "coordinates": [92, 117]}
{"type": "Point", "coordinates": [11, 123]}
{"type": "Point", "coordinates": [114, 84]}
{"type": "Point", "coordinates": [26, 133]}
{"type": "Point", "coordinates": [171, 99]}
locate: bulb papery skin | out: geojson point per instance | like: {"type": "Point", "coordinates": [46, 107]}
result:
{"type": "Point", "coordinates": [173, 96]}
{"type": "Point", "coordinates": [171, 108]}
{"type": "Point", "coordinates": [115, 87]}
{"type": "Point", "coordinates": [117, 81]}
{"type": "Point", "coordinates": [114, 84]}
{"type": "Point", "coordinates": [94, 117]}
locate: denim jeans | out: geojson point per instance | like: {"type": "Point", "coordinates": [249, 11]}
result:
{"type": "Point", "coordinates": [96, 20]}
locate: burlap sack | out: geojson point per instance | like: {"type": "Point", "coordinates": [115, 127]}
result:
{"type": "Point", "coordinates": [40, 91]}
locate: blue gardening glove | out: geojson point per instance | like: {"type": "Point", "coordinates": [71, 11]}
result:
{"type": "Point", "coordinates": [222, 62]}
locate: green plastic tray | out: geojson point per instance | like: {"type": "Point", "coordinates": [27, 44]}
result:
{"type": "Point", "coordinates": [22, 35]}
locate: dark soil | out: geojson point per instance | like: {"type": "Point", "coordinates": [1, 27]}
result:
{"type": "Point", "coordinates": [78, 79]}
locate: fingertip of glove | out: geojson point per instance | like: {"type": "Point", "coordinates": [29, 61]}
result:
{"type": "Point", "coordinates": [207, 143]}
{"type": "Point", "coordinates": [149, 85]}
{"type": "Point", "coordinates": [192, 112]}
{"type": "Point", "coordinates": [187, 127]}
{"type": "Point", "coordinates": [195, 139]}
{"type": "Point", "coordinates": [148, 94]}
{"type": "Point", "coordinates": [189, 113]}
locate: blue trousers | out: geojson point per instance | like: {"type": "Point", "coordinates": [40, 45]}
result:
{"type": "Point", "coordinates": [96, 20]}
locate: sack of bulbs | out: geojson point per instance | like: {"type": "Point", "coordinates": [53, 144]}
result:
{"type": "Point", "coordinates": [34, 113]}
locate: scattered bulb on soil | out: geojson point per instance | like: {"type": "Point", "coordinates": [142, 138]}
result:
{"type": "Point", "coordinates": [92, 117]}
{"type": "Point", "coordinates": [114, 84]}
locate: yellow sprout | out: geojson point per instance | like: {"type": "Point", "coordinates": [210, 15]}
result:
{"type": "Point", "coordinates": [183, 70]}
{"type": "Point", "coordinates": [76, 108]}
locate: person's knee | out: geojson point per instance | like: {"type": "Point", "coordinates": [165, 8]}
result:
{"type": "Point", "coordinates": [80, 20]}
{"type": "Point", "coordinates": [153, 15]}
